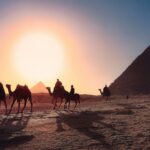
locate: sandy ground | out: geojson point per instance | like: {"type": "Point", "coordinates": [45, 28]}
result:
{"type": "Point", "coordinates": [117, 124]}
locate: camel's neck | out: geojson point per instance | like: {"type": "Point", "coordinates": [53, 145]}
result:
{"type": "Point", "coordinates": [101, 91]}
{"type": "Point", "coordinates": [10, 91]}
{"type": "Point", "coordinates": [49, 91]}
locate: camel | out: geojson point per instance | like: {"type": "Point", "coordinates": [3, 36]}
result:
{"type": "Point", "coordinates": [3, 97]}
{"type": "Point", "coordinates": [21, 92]}
{"type": "Point", "coordinates": [75, 98]}
{"type": "Point", "coordinates": [105, 94]}
{"type": "Point", "coordinates": [64, 95]}
{"type": "Point", "coordinates": [56, 96]}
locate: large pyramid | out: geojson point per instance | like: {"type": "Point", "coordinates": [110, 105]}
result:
{"type": "Point", "coordinates": [39, 88]}
{"type": "Point", "coordinates": [136, 78]}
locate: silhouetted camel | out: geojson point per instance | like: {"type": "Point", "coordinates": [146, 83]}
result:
{"type": "Point", "coordinates": [105, 94]}
{"type": "Point", "coordinates": [75, 98]}
{"type": "Point", "coordinates": [21, 92]}
{"type": "Point", "coordinates": [63, 94]}
{"type": "Point", "coordinates": [3, 97]}
{"type": "Point", "coordinates": [59, 94]}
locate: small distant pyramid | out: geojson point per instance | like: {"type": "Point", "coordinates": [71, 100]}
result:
{"type": "Point", "coordinates": [136, 78]}
{"type": "Point", "coordinates": [39, 88]}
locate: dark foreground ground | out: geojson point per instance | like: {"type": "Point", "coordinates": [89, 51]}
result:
{"type": "Point", "coordinates": [98, 124]}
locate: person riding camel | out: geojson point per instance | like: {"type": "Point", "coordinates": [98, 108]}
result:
{"type": "Point", "coordinates": [72, 91]}
{"type": "Point", "coordinates": [57, 86]}
{"type": "Point", "coordinates": [106, 91]}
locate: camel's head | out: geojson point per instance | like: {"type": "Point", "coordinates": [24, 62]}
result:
{"type": "Point", "coordinates": [9, 90]}
{"type": "Point", "coordinates": [48, 88]}
{"type": "Point", "coordinates": [100, 91]}
{"type": "Point", "coordinates": [8, 86]}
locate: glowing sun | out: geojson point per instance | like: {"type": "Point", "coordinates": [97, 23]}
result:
{"type": "Point", "coordinates": [39, 56]}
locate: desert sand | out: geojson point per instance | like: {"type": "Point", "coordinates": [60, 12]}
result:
{"type": "Point", "coordinates": [116, 124]}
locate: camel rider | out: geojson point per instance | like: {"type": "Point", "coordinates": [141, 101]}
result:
{"type": "Point", "coordinates": [106, 90]}
{"type": "Point", "coordinates": [58, 85]}
{"type": "Point", "coordinates": [72, 91]}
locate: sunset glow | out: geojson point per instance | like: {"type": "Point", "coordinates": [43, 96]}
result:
{"type": "Point", "coordinates": [85, 43]}
{"type": "Point", "coordinates": [38, 56]}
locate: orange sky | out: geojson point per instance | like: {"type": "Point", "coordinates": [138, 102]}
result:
{"type": "Point", "coordinates": [76, 66]}
{"type": "Point", "coordinates": [96, 48]}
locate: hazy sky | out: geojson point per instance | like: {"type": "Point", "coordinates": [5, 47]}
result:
{"type": "Point", "coordinates": [101, 37]}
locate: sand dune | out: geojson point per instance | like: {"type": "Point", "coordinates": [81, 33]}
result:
{"type": "Point", "coordinates": [98, 124]}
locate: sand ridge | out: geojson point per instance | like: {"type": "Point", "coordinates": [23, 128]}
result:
{"type": "Point", "coordinates": [117, 124]}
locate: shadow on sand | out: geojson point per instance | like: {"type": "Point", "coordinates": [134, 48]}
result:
{"type": "Point", "coordinates": [86, 123]}
{"type": "Point", "coordinates": [11, 130]}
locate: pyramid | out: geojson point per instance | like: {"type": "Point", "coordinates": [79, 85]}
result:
{"type": "Point", "coordinates": [39, 88]}
{"type": "Point", "coordinates": [136, 78]}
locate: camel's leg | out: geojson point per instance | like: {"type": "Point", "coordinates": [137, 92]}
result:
{"type": "Point", "coordinates": [25, 102]}
{"type": "Point", "coordinates": [31, 104]}
{"type": "Point", "coordinates": [55, 103]}
{"type": "Point", "coordinates": [65, 104]}
{"type": "Point", "coordinates": [60, 102]}
{"type": "Point", "coordinates": [5, 106]}
{"type": "Point", "coordinates": [69, 104]}
{"type": "Point", "coordinates": [0, 103]}
{"type": "Point", "coordinates": [12, 105]}
{"type": "Point", "coordinates": [18, 107]}
{"type": "Point", "coordinates": [53, 100]}
{"type": "Point", "coordinates": [75, 104]}
{"type": "Point", "coordinates": [79, 102]}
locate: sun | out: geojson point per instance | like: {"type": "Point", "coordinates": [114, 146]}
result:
{"type": "Point", "coordinates": [39, 56]}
